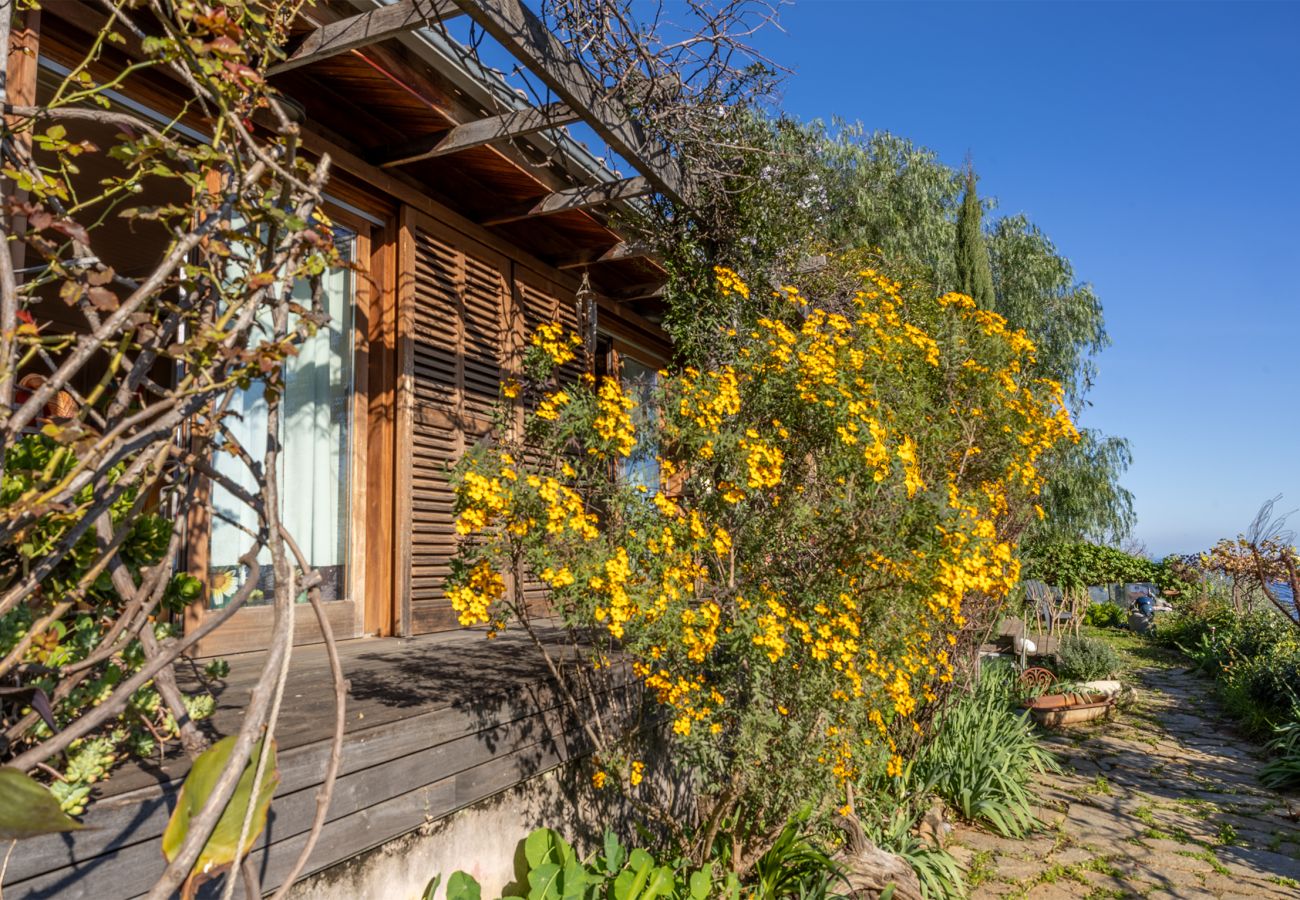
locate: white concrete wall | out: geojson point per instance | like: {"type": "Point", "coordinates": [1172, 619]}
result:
{"type": "Point", "coordinates": [481, 839]}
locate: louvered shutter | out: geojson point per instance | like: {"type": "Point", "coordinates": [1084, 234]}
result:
{"type": "Point", "coordinates": [453, 351]}
{"type": "Point", "coordinates": [540, 301]}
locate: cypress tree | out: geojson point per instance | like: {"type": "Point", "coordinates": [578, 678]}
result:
{"type": "Point", "coordinates": [974, 276]}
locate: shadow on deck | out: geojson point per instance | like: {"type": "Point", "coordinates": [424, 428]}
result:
{"type": "Point", "coordinates": [434, 724]}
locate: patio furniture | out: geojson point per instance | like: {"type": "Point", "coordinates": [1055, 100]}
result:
{"type": "Point", "coordinates": [1036, 677]}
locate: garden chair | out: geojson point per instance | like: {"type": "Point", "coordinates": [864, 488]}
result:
{"type": "Point", "coordinates": [1046, 609]}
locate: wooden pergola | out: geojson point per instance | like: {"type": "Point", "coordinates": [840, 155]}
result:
{"type": "Point", "coordinates": [455, 129]}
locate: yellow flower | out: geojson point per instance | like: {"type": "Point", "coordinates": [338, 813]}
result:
{"type": "Point", "coordinates": [614, 422]}
{"type": "Point", "coordinates": [550, 338]}
{"type": "Point", "coordinates": [221, 586]}
{"type": "Point", "coordinates": [638, 772]}
{"type": "Point", "coordinates": [764, 463]}
{"type": "Point", "coordinates": [730, 282]}
{"type": "Point", "coordinates": [549, 408]}
{"type": "Point", "coordinates": [598, 779]}
{"type": "Point", "coordinates": [912, 479]}
{"type": "Point", "coordinates": [472, 600]}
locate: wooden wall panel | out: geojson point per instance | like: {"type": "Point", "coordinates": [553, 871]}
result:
{"type": "Point", "coordinates": [381, 425]}
{"type": "Point", "coordinates": [457, 351]}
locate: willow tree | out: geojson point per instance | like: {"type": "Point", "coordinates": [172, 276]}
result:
{"type": "Point", "coordinates": [1036, 288]}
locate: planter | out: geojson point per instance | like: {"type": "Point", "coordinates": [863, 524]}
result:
{"type": "Point", "coordinates": [1106, 688]}
{"type": "Point", "coordinates": [1053, 710]}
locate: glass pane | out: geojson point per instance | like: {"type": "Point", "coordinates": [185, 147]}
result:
{"type": "Point", "coordinates": [642, 467]}
{"type": "Point", "coordinates": [315, 440]}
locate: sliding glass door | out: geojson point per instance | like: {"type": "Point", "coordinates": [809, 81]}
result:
{"type": "Point", "coordinates": [316, 437]}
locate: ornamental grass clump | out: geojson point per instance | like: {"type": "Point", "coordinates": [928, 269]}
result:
{"type": "Point", "coordinates": [1283, 770]}
{"type": "Point", "coordinates": [830, 516]}
{"type": "Point", "coordinates": [983, 756]}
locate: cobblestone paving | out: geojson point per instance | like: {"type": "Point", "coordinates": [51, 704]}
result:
{"type": "Point", "coordinates": [1159, 802]}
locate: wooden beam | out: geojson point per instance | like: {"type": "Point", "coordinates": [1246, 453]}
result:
{"type": "Point", "coordinates": [521, 32]}
{"type": "Point", "coordinates": [621, 250]}
{"type": "Point", "coordinates": [366, 28]}
{"type": "Point", "coordinates": [512, 124]}
{"type": "Point", "coordinates": [20, 90]}
{"type": "Point", "coordinates": [651, 291]}
{"type": "Point", "coordinates": [584, 196]}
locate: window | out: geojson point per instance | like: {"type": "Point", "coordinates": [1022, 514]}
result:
{"type": "Point", "coordinates": [315, 435]}
{"type": "Point", "coordinates": [642, 467]}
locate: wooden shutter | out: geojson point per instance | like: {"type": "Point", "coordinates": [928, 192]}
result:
{"type": "Point", "coordinates": [539, 301]}
{"type": "Point", "coordinates": [453, 345]}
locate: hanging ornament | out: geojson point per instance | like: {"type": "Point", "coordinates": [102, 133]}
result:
{"type": "Point", "coordinates": [585, 302]}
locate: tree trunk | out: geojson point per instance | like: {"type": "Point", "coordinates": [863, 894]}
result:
{"type": "Point", "coordinates": [870, 871]}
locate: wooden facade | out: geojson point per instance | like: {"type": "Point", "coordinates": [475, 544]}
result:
{"type": "Point", "coordinates": [463, 248]}
{"type": "Point", "coordinates": [469, 229]}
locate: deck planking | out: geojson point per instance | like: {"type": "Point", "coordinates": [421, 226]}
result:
{"type": "Point", "coordinates": [435, 723]}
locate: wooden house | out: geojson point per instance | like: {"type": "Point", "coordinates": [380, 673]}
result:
{"type": "Point", "coordinates": [472, 216]}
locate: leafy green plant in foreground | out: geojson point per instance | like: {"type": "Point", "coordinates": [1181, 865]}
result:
{"type": "Point", "coordinates": [793, 867]}
{"type": "Point", "coordinates": [556, 872]}
{"type": "Point", "coordinates": [982, 758]}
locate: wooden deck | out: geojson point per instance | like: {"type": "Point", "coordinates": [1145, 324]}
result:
{"type": "Point", "coordinates": [434, 724]}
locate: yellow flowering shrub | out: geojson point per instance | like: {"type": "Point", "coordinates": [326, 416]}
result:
{"type": "Point", "coordinates": [847, 484]}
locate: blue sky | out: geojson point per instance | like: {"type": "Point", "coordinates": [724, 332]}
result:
{"type": "Point", "coordinates": [1158, 144]}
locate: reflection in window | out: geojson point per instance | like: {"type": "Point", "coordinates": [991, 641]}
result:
{"type": "Point", "coordinates": [642, 467]}
{"type": "Point", "coordinates": [315, 441]}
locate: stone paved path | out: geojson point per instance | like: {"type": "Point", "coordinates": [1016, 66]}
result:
{"type": "Point", "coordinates": [1159, 802]}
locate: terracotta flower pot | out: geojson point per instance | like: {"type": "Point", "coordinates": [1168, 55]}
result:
{"type": "Point", "coordinates": [1053, 710]}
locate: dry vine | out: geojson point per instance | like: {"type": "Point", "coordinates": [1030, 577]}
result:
{"type": "Point", "coordinates": [112, 414]}
{"type": "Point", "coordinates": [1273, 558]}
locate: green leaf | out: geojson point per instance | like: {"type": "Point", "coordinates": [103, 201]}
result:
{"type": "Point", "coordinates": [631, 881]}
{"type": "Point", "coordinates": [220, 848]}
{"type": "Point", "coordinates": [28, 809]}
{"type": "Point", "coordinates": [432, 887]}
{"type": "Point", "coordinates": [660, 883]}
{"type": "Point", "coordinates": [544, 882]}
{"type": "Point", "coordinates": [573, 881]}
{"type": "Point", "coordinates": [545, 845]}
{"type": "Point", "coordinates": [700, 883]}
{"type": "Point", "coordinates": [640, 859]}
{"type": "Point", "coordinates": [614, 853]}
{"type": "Point", "coordinates": [461, 886]}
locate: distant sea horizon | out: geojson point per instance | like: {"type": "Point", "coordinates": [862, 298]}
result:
{"type": "Point", "coordinates": [1284, 593]}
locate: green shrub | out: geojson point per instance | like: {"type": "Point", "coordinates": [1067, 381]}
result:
{"type": "Point", "coordinates": [1084, 658]}
{"type": "Point", "coordinates": [983, 755]}
{"type": "Point", "coordinates": [1105, 615]}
